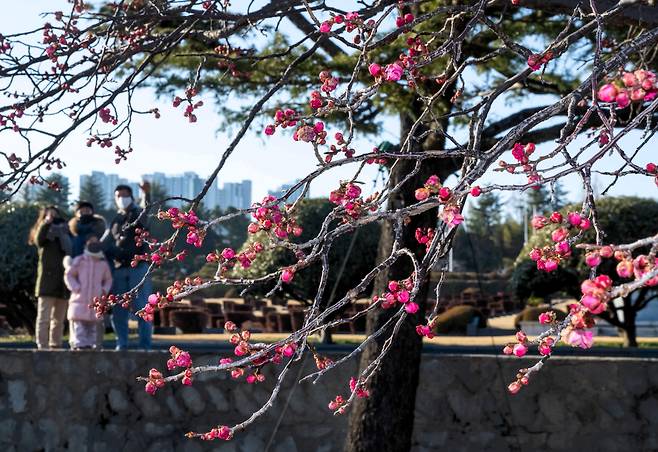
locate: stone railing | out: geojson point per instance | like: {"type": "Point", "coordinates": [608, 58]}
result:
{"type": "Point", "coordinates": [90, 401]}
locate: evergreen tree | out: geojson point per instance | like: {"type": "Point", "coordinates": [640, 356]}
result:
{"type": "Point", "coordinates": [558, 196]}
{"type": "Point", "coordinates": [232, 233]}
{"type": "Point", "coordinates": [159, 193]}
{"type": "Point", "coordinates": [546, 198]}
{"type": "Point", "coordinates": [538, 200]}
{"type": "Point", "coordinates": [484, 216]}
{"type": "Point", "coordinates": [55, 191]}
{"type": "Point", "coordinates": [92, 192]}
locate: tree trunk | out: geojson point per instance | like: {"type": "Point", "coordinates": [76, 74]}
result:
{"type": "Point", "coordinates": [384, 421]}
{"type": "Point", "coordinates": [630, 330]}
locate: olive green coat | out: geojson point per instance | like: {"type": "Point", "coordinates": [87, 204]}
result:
{"type": "Point", "coordinates": [50, 270]}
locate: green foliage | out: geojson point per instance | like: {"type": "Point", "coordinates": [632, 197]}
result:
{"type": "Point", "coordinates": [544, 200]}
{"type": "Point", "coordinates": [275, 50]}
{"type": "Point", "coordinates": [159, 193]}
{"type": "Point", "coordinates": [360, 260]}
{"type": "Point", "coordinates": [232, 233]}
{"type": "Point", "coordinates": [527, 281]}
{"type": "Point", "coordinates": [45, 196]}
{"type": "Point", "coordinates": [18, 262]}
{"type": "Point", "coordinates": [92, 192]}
{"type": "Point", "coordinates": [484, 216]}
{"type": "Point", "coordinates": [487, 244]}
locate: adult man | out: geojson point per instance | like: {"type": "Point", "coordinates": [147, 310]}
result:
{"type": "Point", "coordinates": [120, 249]}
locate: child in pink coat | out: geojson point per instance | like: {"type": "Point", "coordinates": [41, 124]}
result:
{"type": "Point", "coordinates": [87, 277]}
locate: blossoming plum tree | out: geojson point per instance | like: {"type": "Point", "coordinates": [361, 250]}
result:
{"type": "Point", "coordinates": [442, 68]}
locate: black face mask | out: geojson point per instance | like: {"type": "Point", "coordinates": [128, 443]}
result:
{"type": "Point", "coordinates": [84, 219]}
{"type": "Point", "coordinates": [58, 221]}
{"type": "Point", "coordinates": [94, 247]}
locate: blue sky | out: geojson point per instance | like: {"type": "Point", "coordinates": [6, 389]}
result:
{"type": "Point", "coordinates": [172, 145]}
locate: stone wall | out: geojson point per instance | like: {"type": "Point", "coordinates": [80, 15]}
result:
{"type": "Point", "coordinates": [90, 401]}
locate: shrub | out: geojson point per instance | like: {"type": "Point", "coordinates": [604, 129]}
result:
{"type": "Point", "coordinates": [18, 264]}
{"type": "Point", "coordinates": [457, 318]}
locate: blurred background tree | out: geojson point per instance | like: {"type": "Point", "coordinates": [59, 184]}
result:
{"type": "Point", "coordinates": [624, 220]}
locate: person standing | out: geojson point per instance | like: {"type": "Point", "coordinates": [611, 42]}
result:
{"type": "Point", "coordinates": [121, 248]}
{"type": "Point", "coordinates": [88, 276]}
{"type": "Point", "coordinates": [83, 225]}
{"type": "Point", "coordinates": [50, 234]}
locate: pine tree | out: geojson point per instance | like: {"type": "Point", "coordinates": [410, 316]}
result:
{"type": "Point", "coordinates": [539, 201]}
{"type": "Point", "coordinates": [158, 194]}
{"type": "Point", "coordinates": [92, 192]}
{"type": "Point", "coordinates": [484, 216]}
{"type": "Point", "coordinates": [54, 192]}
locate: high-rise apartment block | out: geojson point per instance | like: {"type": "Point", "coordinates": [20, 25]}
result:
{"type": "Point", "coordinates": [186, 185]}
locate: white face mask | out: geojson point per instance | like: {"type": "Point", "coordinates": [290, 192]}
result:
{"type": "Point", "coordinates": [123, 202]}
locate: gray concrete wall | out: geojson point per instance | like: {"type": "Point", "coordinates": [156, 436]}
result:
{"type": "Point", "coordinates": [90, 401]}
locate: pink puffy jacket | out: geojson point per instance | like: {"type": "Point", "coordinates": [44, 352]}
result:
{"type": "Point", "coordinates": [87, 277]}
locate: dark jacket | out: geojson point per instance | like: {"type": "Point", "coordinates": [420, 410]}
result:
{"type": "Point", "coordinates": [53, 243]}
{"type": "Point", "coordinates": [120, 246]}
{"type": "Point", "coordinates": [84, 227]}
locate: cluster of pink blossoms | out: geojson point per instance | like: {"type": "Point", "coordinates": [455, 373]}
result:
{"type": "Point", "coordinates": [18, 113]}
{"type": "Point", "coordinates": [549, 257]}
{"type": "Point", "coordinates": [271, 217]}
{"type": "Point", "coordinates": [106, 116]}
{"type": "Point", "coordinates": [653, 169]}
{"type": "Point", "coordinates": [340, 146]}
{"type": "Point", "coordinates": [349, 196]}
{"type": "Point", "coordinates": [537, 60]}
{"type": "Point", "coordinates": [426, 330]}
{"type": "Point", "coordinates": [578, 332]}
{"type": "Point", "coordinates": [191, 105]}
{"type": "Point", "coordinates": [179, 358]}
{"type": "Point", "coordinates": [329, 84]}
{"type": "Point", "coordinates": [356, 387]}
{"type": "Point", "coordinates": [311, 133]}
{"type": "Point", "coordinates": [407, 19]}
{"type": "Point", "coordinates": [4, 45]}
{"type": "Point", "coordinates": [398, 292]}
{"type": "Point", "coordinates": [595, 293]}
{"type": "Point", "coordinates": [228, 258]}
{"type": "Point", "coordinates": [520, 348]}
{"type": "Point", "coordinates": [627, 266]}
{"type": "Point", "coordinates": [407, 61]}
{"type": "Point", "coordinates": [155, 381]}
{"type": "Point", "coordinates": [282, 118]}
{"type": "Point", "coordinates": [451, 214]}
{"type": "Point", "coordinates": [351, 20]}
{"type": "Point", "coordinates": [637, 86]}
{"type": "Point", "coordinates": [424, 236]}
{"type": "Point", "coordinates": [522, 152]}
{"type": "Point", "coordinates": [158, 300]}
{"type": "Point", "coordinates": [222, 432]}
{"type": "Point", "coordinates": [243, 347]}
{"type": "Point", "coordinates": [180, 219]}
{"type": "Point", "coordinates": [390, 73]}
